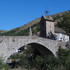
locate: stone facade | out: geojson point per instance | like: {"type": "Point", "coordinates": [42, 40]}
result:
{"type": "Point", "coordinates": [9, 45]}
{"type": "Point", "coordinates": [46, 26]}
{"type": "Point", "coordinates": [48, 30]}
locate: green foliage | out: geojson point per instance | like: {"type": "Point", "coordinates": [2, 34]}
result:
{"type": "Point", "coordinates": [36, 28]}
{"type": "Point", "coordinates": [39, 62]}
{"type": "Point", "coordinates": [24, 32]}
{"type": "Point", "coordinates": [67, 64]}
{"type": "Point", "coordinates": [56, 17]}
{"type": "Point", "coordinates": [64, 58]}
{"type": "Point", "coordinates": [65, 23]}
{"type": "Point", "coordinates": [3, 66]}
{"type": "Point", "coordinates": [62, 54]}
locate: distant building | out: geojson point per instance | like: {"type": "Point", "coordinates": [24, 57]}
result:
{"type": "Point", "coordinates": [48, 30]}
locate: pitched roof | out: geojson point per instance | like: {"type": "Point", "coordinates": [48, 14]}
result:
{"type": "Point", "coordinates": [59, 30]}
{"type": "Point", "coordinates": [47, 18]}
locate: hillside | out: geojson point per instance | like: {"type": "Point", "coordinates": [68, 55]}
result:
{"type": "Point", "coordinates": [61, 13]}
{"type": "Point", "coordinates": [23, 30]}
{"type": "Point", "coordinates": [2, 31]}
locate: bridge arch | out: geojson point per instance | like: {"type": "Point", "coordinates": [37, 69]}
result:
{"type": "Point", "coordinates": [39, 47]}
{"type": "Point", "coordinates": [11, 44]}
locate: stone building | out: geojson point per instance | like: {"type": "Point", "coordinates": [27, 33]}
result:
{"type": "Point", "coordinates": [60, 35]}
{"type": "Point", "coordinates": [48, 30]}
{"type": "Point", "coordinates": [46, 26]}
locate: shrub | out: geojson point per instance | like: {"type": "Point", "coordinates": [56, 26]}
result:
{"type": "Point", "coordinates": [3, 66]}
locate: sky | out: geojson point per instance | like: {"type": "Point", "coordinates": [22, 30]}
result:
{"type": "Point", "coordinates": [15, 13]}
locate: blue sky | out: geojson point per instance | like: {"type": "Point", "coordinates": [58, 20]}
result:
{"type": "Point", "coordinates": [15, 13]}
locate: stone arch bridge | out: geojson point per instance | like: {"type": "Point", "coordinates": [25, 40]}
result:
{"type": "Point", "coordinates": [9, 44]}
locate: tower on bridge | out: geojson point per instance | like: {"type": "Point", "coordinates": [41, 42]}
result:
{"type": "Point", "coordinates": [46, 26]}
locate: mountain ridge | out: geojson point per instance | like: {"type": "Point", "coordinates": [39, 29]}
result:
{"type": "Point", "coordinates": [57, 17]}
